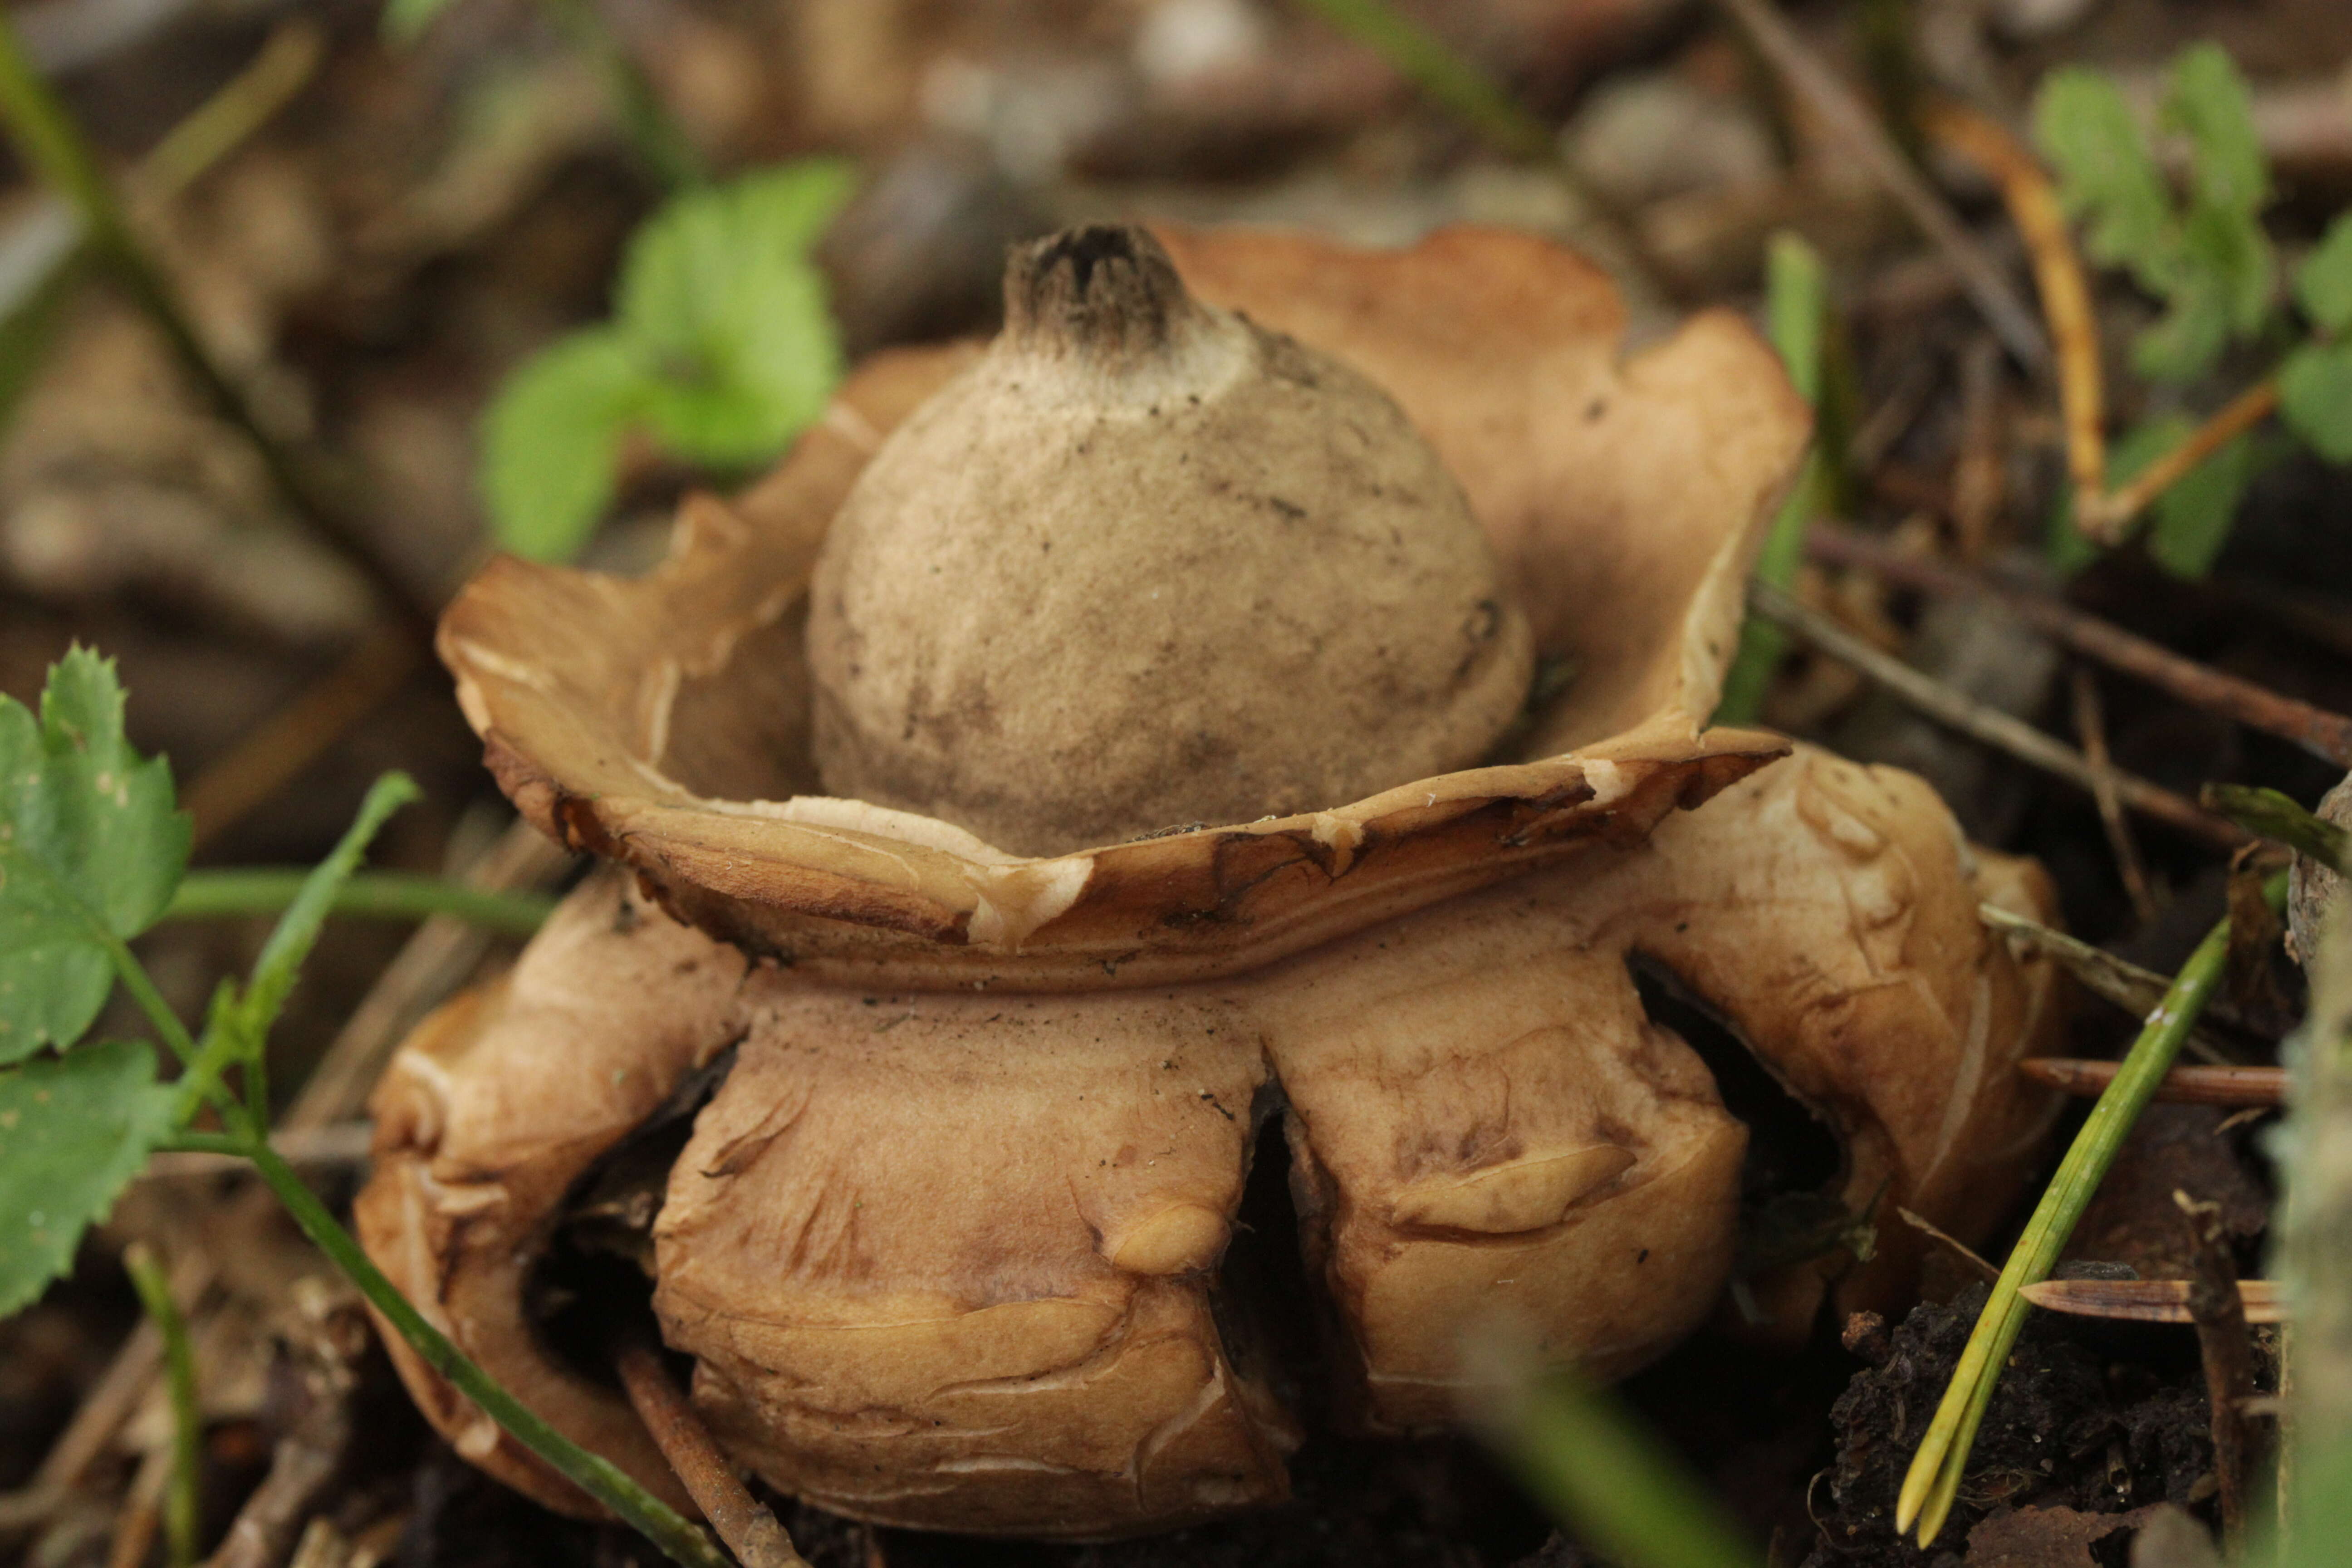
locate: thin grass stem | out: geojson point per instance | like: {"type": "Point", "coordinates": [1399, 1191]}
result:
{"type": "Point", "coordinates": [684, 1543]}
{"type": "Point", "coordinates": [182, 1516]}
{"type": "Point", "coordinates": [370, 895]}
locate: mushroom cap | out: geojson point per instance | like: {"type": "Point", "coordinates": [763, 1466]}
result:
{"type": "Point", "coordinates": [1148, 564]}
{"type": "Point", "coordinates": [960, 1260]}
{"type": "Point", "coordinates": [664, 722]}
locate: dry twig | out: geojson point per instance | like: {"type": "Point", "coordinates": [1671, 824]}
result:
{"type": "Point", "coordinates": [2033, 206]}
{"type": "Point", "coordinates": [2101, 514]}
{"type": "Point", "coordinates": [269, 757]}
{"type": "Point", "coordinates": [2206, 1085]}
{"type": "Point", "coordinates": [1952, 1244]}
{"type": "Point", "coordinates": [2221, 1341]}
{"type": "Point", "coordinates": [2135, 990]}
{"type": "Point", "coordinates": [750, 1530]}
{"type": "Point", "coordinates": [2322, 733]}
{"type": "Point", "coordinates": [2090, 726]}
{"type": "Point", "coordinates": [1950, 706]}
{"type": "Point", "coordinates": [1853, 124]}
{"type": "Point", "coordinates": [2104, 517]}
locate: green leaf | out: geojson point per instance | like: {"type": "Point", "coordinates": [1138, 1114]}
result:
{"type": "Point", "coordinates": [2192, 518]}
{"type": "Point", "coordinates": [2323, 284]}
{"type": "Point", "coordinates": [718, 288]}
{"type": "Point", "coordinates": [2229, 253]}
{"type": "Point", "coordinates": [74, 1130]}
{"type": "Point", "coordinates": [2064, 545]}
{"type": "Point", "coordinates": [2315, 398]}
{"type": "Point", "coordinates": [2188, 523]}
{"type": "Point", "coordinates": [2208, 100]}
{"type": "Point", "coordinates": [551, 441]}
{"type": "Point", "coordinates": [2185, 343]}
{"type": "Point", "coordinates": [405, 21]}
{"type": "Point", "coordinates": [2106, 173]}
{"type": "Point", "coordinates": [91, 849]}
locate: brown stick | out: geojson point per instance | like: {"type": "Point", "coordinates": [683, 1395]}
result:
{"type": "Point", "coordinates": [2149, 1301]}
{"type": "Point", "coordinates": [2228, 1355]}
{"type": "Point", "coordinates": [269, 757]}
{"type": "Point", "coordinates": [1959, 1249]}
{"type": "Point", "coordinates": [2319, 732]}
{"type": "Point", "coordinates": [1979, 478]}
{"type": "Point", "coordinates": [2091, 728]}
{"type": "Point", "coordinates": [750, 1530]}
{"type": "Point", "coordinates": [2058, 275]}
{"type": "Point", "coordinates": [2135, 990]}
{"type": "Point", "coordinates": [2181, 1086]}
{"type": "Point", "coordinates": [1853, 124]}
{"type": "Point", "coordinates": [2104, 517]}
{"type": "Point", "coordinates": [1949, 706]}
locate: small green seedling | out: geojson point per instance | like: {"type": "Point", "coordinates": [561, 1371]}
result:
{"type": "Point", "coordinates": [93, 849]}
{"type": "Point", "coordinates": [2201, 251]}
{"type": "Point", "coordinates": [720, 349]}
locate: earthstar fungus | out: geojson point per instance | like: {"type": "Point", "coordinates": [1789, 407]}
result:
{"type": "Point", "coordinates": [953, 1241]}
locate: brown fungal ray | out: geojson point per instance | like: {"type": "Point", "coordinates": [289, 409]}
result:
{"type": "Point", "coordinates": [1465, 1093]}
{"type": "Point", "coordinates": [492, 1108]}
{"type": "Point", "coordinates": [947, 1259]}
{"type": "Point", "coordinates": [664, 720]}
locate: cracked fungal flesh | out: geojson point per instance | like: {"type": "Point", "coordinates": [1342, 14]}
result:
{"type": "Point", "coordinates": [964, 1260]}
{"type": "Point", "coordinates": [1149, 564]}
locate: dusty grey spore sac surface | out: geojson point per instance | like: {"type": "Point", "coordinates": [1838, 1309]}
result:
{"type": "Point", "coordinates": [1148, 564]}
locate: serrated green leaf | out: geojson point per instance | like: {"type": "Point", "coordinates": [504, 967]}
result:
{"type": "Point", "coordinates": [2106, 173]}
{"type": "Point", "coordinates": [2208, 100]}
{"type": "Point", "coordinates": [719, 289]}
{"type": "Point", "coordinates": [2315, 398]}
{"type": "Point", "coordinates": [74, 1131]}
{"type": "Point", "coordinates": [405, 21]}
{"type": "Point", "coordinates": [2323, 284]}
{"type": "Point", "coordinates": [92, 847]}
{"type": "Point", "coordinates": [552, 442]}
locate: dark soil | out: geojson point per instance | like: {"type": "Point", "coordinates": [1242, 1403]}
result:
{"type": "Point", "coordinates": [2099, 1419]}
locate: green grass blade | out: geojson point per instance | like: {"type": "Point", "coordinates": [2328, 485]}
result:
{"type": "Point", "coordinates": [1593, 1466]}
{"type": "Point", "coordinates": [1795, 312]}
{"type": "Point", "coordinates": [1452, 82]}
{"type": "Point", "coordinates": [2281, 819]}
{"type": "Point", "coordinates": [1933, 1482]}
{"type": "Point", "coordinates": [684, 1543]}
